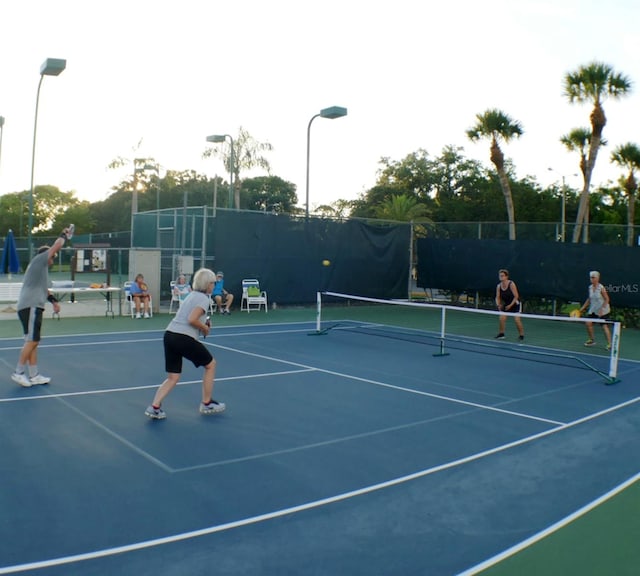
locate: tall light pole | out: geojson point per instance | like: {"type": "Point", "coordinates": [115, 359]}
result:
{"type": "Point", "coordinates": [50, 67]}
{"type": "Point", "coordinates": [563, 209]}
{"type": "Point", "coordinates": [217, 138]}
{"type": "Point", "coordinates": [332, 113]}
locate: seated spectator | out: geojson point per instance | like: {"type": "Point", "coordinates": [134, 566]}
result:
{"type": "Point", "coordinates": [182, 288]}
{"type": "Point", "coordinates": [221, 297]}
{"type": "Point", "coordinates": [141, 296]}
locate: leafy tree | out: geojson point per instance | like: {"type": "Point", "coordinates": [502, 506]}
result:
{"type": "Point", "coordinates": [593, 83]}
{"type": "Point", "coordinates": [627, 156]}
{"type": "Point", "coordinates": [80, 214]}
{"type": "Point", "coordinates": [14, 213]}
{"type": "Point", "coordinates": [269, 194]}
{"type": "Point", "coordinates": [459, 182]}
{"type": "Point", "coordinates": [412, 176]}
{"type": "Point", "coordinates": [496, 125]}
{"type": "Point", "coordinates": [337, 209]}
{"type": "Point", "coordinates": [365, 205]}
{"type": "Point", "coordinates": [170, 191]}
{"type": "Point", "coordinates": [247, 155]}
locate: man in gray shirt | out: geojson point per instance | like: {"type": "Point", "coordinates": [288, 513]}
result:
{"type": "Point", "coordinates": [34, 293]}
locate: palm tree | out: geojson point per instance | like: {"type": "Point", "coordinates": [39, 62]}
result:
{"type": "Point", "coordinates": [498, 126]}
{"type": "Point", "coordinates": [593, 83]}
{"type": "Point", "coordinates": [578, 141]}
{"type": "Point", "coordinates": [402, 208]}
{"type": "Point", "coordinates": [628, 156]}
{"type": "Point", "coordinates": [247, 154]}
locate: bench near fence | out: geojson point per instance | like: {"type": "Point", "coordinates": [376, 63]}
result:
{"type": "Point", "coordinates": [9, 291]}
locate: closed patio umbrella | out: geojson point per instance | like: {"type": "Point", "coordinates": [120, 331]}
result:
{"type": "Point", "coordinates": [10, 263]}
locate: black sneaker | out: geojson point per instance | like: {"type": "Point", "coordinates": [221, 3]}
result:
{"type": "Point", "coordinates": [500, 336]}
{"type": "Point", "coordinates": [521, 337]}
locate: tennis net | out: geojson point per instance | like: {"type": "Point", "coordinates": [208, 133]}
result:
{"type": "Point", "coordinates": [551, 339]}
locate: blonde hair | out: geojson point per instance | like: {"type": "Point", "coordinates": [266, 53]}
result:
{"type": "Point", "coordinates": [202, 278]}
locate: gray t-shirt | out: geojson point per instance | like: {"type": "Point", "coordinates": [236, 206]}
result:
{"type": "Point", "coordinates": [180, 323]}
{"type": "Point", "coordinates": [35, 283]}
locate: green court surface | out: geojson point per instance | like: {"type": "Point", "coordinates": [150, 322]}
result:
{"type": "Point", "coordinates": [602, 541]}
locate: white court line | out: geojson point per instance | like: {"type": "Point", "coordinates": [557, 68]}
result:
{"type": "Point", "coordinates": [550, 530]}
{"type": "Point", "coordinates": [400, 388]}
{"type": "Point", "coordinates": [147, 387]}
{"type": "Point", "coordinates": [302, 507]}
{"type": "Point", "coordinates": [331, 442]}
{"type": "Point", "coordinates": [216, 334]}
{"type": "Point", "coordinates": [385, 385]}
{"type": "Point", "coordinates": [116, 436]}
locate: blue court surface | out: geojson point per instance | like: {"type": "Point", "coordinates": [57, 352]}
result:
{"type": "Point", "coordinates": [338, 454]}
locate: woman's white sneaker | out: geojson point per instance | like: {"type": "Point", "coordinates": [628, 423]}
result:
{"type": "Point", "coordinates": [21, 379]}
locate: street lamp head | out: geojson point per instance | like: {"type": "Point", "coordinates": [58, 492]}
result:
{"type": "Point", "coordinates": [216, 138]}
{"type": "Point", "coordinates": [53, 67]}
{"type": "Point", "coordinates": [333, 112]}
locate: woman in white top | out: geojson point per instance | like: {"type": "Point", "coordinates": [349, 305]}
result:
{"type": "Point", "coordinates": [599, 306]}
{"type": "Point", "coordinates": [181, 288]}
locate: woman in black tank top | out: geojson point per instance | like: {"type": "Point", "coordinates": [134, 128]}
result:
{"type": "Point", "coordinates": [508, 300]}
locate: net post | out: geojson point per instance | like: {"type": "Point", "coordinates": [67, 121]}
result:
{"type": "Point", "coordinates": [318, 331]}
{"type": "Point", "coordinates": [613, 359]}
{"type": "Point", "coordinates": [443, 324]}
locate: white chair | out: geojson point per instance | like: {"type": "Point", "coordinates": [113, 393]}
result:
{"type": "Point", "coordinates": [213, 305]}
{"type": "Point", "coordinates": [174, 297]}
{"type": "Point", "coordinates": [129, 299]}
{"type": "Point", "coordinates": [252, 295]}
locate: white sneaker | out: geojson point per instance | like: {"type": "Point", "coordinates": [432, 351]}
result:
{"type": "Point", "coordinates": [21, 379]}
{"type": "Point", "coordinates": [146, 314]}
{"type": "Point", "coordinates": [214, 407]}
{"type": "Point", "coordinates": [138, 315]}
{"type": "Point", "coordinates": [39, 379]}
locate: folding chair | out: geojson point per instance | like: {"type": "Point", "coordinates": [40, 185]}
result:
{"type": "Point", "coordinates": [132, 304]}
{"type": "Point", "coordinates": [252, 295]}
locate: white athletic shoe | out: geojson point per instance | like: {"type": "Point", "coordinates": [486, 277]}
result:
{"type": "Point", "coordinates": [21, 379]}
{"type": "Point", "coordinates": [146, 315]}
{"type": "Point", "coordinates": [138, 315]}
{"type": "Point", "coordinates": [39, 379]}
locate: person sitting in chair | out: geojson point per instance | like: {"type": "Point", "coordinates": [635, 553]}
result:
{"type": "Point", "coordinates": [141, 296]}
{"type": "Point", "coordinates": [181, 288]}
{"type": "Point", "coordinates": [221, 297]}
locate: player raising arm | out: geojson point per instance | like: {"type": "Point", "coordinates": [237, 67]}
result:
{"type": "Point", "coordinates": [33, 295]}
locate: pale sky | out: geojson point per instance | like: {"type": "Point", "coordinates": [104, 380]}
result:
{"type": "Point", "coordinates": [412, 74]}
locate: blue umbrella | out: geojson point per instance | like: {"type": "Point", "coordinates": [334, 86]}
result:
{"type": "Point", "coordinates": [10, 263]}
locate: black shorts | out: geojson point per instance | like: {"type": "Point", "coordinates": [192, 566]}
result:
{"type": "Point", "coordinates": [516, 309]}
{"type": "Point", "coordinates": [31, 319]}
{"type": "Point", "coordinates": [179, 346]}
